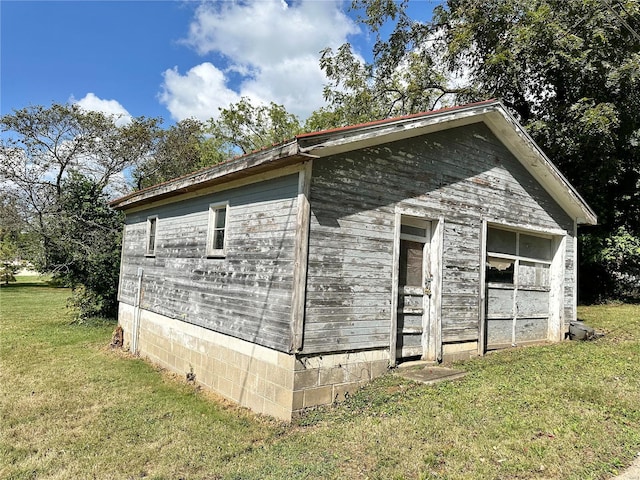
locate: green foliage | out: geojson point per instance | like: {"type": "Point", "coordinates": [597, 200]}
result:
{"type": "Point", "coordinates": [9, 266]}
{"type": "Point", "coordinates": [179, 150]}
{"type": "Point", "coordinates": [610, 266]}
{"type": "Point", "coordinates": [568, 69]}
{"type": "Point", "coordinates": [359, 92]}
{"type": "Point", "coordinates": [86, 304]}
{"type": "Point", "coordinates": [43, 145]}
{"type": "Point", "coordinates": [191, 145]}
{"type": "Point", "coordinates": [59, 165]}
{"type": "Point", "coordinates": [86, 248]}
{"type": "Point", "coordinates": [244, 128]}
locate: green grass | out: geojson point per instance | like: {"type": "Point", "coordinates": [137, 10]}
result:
{"type": "Point", "coordinates": [72, 408]}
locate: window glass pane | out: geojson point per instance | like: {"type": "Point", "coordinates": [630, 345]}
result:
{"type": "Point", "coordinates": [410, 263]}
{"type": "Point", "coordinates": [221, 214]}
{"type": "Point", "coordinates": [535, 247]}
{"type": "Point", "coordinates": [417, 231]}
{"type": "Point", "coordinates": [218, 239]}
{"type": "Point", "coordinates": [151, 243]}
{"type": "Point", "coordinates": [501, 241]}
{"type": "Point", "coordinates": [500, 270]}
{"type": "Point", "coordinates": [531, 274]}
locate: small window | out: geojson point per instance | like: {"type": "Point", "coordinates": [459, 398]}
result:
{"type": "Point", "coordinates": [535, 247]}
{"type": "Point", "coordinates": [217, 230]}
{"type": "Point", "coordinates": [415, 231]}
{"type": "Point", "coordinates": [152, 227]}
{"type": "Point", "coordinates": [517, 258]}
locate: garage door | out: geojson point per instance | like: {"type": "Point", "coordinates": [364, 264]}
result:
{"type": "Point", "coordinates": [518, 285]}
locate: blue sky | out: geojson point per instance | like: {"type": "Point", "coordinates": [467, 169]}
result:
{"type": "Point", "coordinates": [174, 59]}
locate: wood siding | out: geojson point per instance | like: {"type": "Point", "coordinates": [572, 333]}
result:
{"type": "Point", "coordinates": [246, 294]}
{"type": "Point", "coordinates": [463, 175]}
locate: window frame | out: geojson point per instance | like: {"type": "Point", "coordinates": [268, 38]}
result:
{"type": "Point", "coordinates": [516, 258]}
{"type": "Point", "coordinates": [214, 210]}
{"type": "Point", "coordinates": [152, 226]}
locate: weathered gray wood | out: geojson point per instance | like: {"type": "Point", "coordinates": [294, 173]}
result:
{"type": "Point", "coordinates": [499, 333]}
{"type": "Point", "coordinates": [531, 330]}
{"type": "Point", "coordinates": [301, 257]}
{"type": "Point", "coordinates": [463, 176]}
{"type": "Point", "coordinates": [482, 298]}
{"type": "Point", "coordinates": [246, 294]}
{"type": "Point", "coordinates": [532, 303]}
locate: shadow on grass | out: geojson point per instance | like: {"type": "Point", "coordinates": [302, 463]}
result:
{"type": "Point", "coordinates": [33, 283]}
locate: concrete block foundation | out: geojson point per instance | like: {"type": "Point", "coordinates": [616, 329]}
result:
{"type": "Point", "coordinates": [259, 378]}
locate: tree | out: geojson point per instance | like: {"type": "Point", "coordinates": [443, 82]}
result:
{"type": "Point", "coordinates": [244, 127]}
{"type": "Point", "coordinates": [8, 264]}
{"type": "Point", "coordinates": [86, 246]}
{"type": "Point", "coordinates": [179, 150]}
{"type": "Point", "coordinates": [568, 69]}
{"type": "Point", "coordinates": [45, 149]}
{"type": "Point", "coordinates": [11, 226]}
{"type": "Point", "coordinates": [191, 145]}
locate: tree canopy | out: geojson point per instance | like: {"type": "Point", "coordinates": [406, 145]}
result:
{"type": "Point", "coordinates": [58, 166]}
{"type": "Point", "coordinates": [243, 127]}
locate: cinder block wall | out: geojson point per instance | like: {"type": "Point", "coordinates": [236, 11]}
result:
{"type": "Point", "coordinates": [324, 379]}
{"type": "Point", "coordinates": [251, 375]}
{"type": "Point", "coordinates": [264, 380]}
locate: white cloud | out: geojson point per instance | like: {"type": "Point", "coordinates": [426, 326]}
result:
{"type": "Point", "coordinates": [109, 107]}
{"type": "Point", "coordinates": [199, 93]}
{"type": "Point", "coordinates": [272, 46]}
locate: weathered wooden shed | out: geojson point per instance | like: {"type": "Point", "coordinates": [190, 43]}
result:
{"type": "Point", "coordinates": [287, 277]}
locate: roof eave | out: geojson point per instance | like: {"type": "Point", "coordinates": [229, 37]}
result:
{"type": "Point", "coordinates": [323, 144]}
{"type": "Point", "coordinates": [535, 161]}
{"type": "Point", "coordinates": [338, 141]}
{"type": "Point", "coordinates": [257, 162]}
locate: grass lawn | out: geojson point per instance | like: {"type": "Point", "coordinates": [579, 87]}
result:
{"type": "Point", "coordinates": [72, 408]}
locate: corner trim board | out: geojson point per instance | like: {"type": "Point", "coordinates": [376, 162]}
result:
{"type": "Point", "coordinates": [301, 257]}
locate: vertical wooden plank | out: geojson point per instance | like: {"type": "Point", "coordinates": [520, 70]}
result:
{"type": "Point", "coordinates": [394, 288]}
{"type": "Point", "coordinates": [574, 254]}
{"type": "Point", "coordinates": [301, 256]}
{"type": "Point", "coordinates": [556, 294]}
{"type": "Point", "coordinates": [428, 324]}
{"type": "Point", "coordinates": [122, 263]}
{"type": "Point", "coordinates": [483, 290]}
{"type": "Point", "coordinates": [434, 351]}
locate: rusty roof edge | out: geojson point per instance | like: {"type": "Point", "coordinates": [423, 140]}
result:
{"type": "Point", "coordinates": [302, 145]}
{"type": "Point", "coordinates": [315, 143]}
{"type": "Point", "coordinates": [401, 119]}
{"type": "Point", "coordinates": [209, 175]}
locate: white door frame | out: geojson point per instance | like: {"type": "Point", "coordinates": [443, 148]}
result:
{"type": "Point", "coordinates": [432, 344]}
{"type": "Point", "coordinates": [557, 280]}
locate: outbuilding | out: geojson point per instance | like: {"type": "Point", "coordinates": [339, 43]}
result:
{"type": "Point", "coordinates": [285, 278]}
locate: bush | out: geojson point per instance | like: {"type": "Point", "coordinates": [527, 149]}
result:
{"type": "Point", "coordinates": [610, 268]}
{"type": "Point", "coordinates": [85, 304]}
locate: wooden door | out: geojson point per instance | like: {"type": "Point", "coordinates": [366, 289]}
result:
{"type": "Point", "coordinates": [413, 290]}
